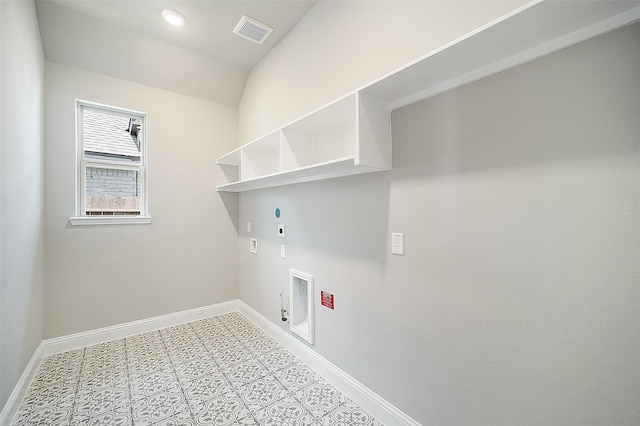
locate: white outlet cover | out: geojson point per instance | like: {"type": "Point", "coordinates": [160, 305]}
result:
{"type": "Point", "coordinates": [281, 231]}
{"type": "Point", "coordinates": [253, 245]}
{"type": "Point", "coordinates": [397, 243]}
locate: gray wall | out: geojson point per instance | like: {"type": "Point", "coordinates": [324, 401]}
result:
{"type": "Point", "coordinates": [21, 205]}
{"type": "Point", "coordinates": [517, 299]}
{"type": "Point", "coordinates": [340, 46]}
{"type": "Point", "coordinates": [102, 276]}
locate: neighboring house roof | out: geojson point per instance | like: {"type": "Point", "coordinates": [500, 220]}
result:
{"type": "Point", "coordinates": [108, 134]}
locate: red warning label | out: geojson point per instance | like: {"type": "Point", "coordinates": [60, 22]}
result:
{"type": "Point", "coordinates": [327, 299]}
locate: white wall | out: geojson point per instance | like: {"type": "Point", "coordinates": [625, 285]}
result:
{"type": "Point", "coordinates": [519, 196]}
{"type": "Point", "coordinates": [101, 276]}
{"type": "Point", "coordinates": [21, 205]}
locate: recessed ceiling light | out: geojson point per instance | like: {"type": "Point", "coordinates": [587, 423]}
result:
{"type": "Point", "coordinates": [172, 17]}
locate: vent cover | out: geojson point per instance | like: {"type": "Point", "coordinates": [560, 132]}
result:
{"type": "Point", "coordinates": [252, 30]}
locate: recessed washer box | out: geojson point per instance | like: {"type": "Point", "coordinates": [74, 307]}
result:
{"type": "Point", "coordinates": [301, 315]}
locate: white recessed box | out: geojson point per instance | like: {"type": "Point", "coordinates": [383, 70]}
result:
{"type": "Point", "coordinates": [301, 315]}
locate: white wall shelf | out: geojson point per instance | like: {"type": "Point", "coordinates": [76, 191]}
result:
{"type": "Point", "coordinates": [349, 136]}
{"type": "Point", "coordinates": [353, 135]}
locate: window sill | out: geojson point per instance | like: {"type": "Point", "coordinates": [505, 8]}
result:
{"type": "Point", "coordinates": [109, 220]}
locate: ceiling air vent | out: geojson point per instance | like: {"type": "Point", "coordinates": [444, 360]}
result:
{"type": "Point", "coordinates": [252, 30]}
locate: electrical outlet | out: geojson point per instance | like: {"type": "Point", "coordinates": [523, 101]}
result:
{"type": "Point", "coordinates": [397, 243]}
{"type": "Point", "coordinates": [253, 245]}
{"type": "Point", "coordinates": [281, 231]}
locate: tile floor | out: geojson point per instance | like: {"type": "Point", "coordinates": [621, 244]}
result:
{"type": "Point", "coordinates": [218, 371]}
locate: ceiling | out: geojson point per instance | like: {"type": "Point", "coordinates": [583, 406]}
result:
{"type": "Point", "coordinates": [129, 40]}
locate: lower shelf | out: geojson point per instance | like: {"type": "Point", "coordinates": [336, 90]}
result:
{"type": "Point", "coordinates": [342, 167]}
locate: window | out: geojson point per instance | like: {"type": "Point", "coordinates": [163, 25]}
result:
{"type": "Point", "coordinates": [111, 169]}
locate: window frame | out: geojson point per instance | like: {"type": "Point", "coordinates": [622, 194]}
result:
{"type": "Point", "coordinates": [81, 164]}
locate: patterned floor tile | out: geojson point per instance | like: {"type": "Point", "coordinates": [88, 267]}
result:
{"type": "Point", "coordinates": [223, 411]}
{"type": "Point", "coordinates": [177, 353]}
{"type": "Point", "coordinates": [143, 338]}
{"type": "Point", "coordinates": [103, 401]}
{"type": "Point", "coordinates": [153, 383]}
{"type": "Point", "coordinates": [110, 419]}
{"type": "Point", "coordinates": [217, 371]}
{"type": "Point", "coordinates": [208, 387]}
{"type": "Point", "coordinates": [146, 350]}
{"type": "Point", "coordinates": [262, 345]}
{"type": "Point", "coordinates": [232, 356]}
{"type": "Point", "coordinates": [173, 340]}
{"type": "Point", "coordinates": [249, 333]}
{"type": "Point", "coordinates": [217, 345]}
{"type": "Point", "coordinates": [195, 367]}
{"type": "Point", "coordinates": [262, 392]}
{"type": "Point", "coordinates": [349, 414]}
{"type": "Point", "coordinates": [215, 329]}
{"type": "Point", "coordinates": [47, 416]}
{"type": "Point", "coordinates": [245, 372]}
{"type": "Point", "coordinates": [296, 377]}
{"type": "Point", "coordinates": [72, 357]}
{"type": "Point", "coordinates": [320, 398]}
{"type": "Point", "coordinates": [161, 406]}
{"type": "Point", "coordinates": [106, 362]}
{"type": "Point", "coordinates": [98, 379]}
{"type": "Point", "coordinates": [287, 411]}
{"type": "Point", "coordinates": [277, 359]}
{"type": "Point", "coordinates": [145, 366]}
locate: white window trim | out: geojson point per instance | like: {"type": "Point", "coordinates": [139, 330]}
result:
{"type": "Point", "coordinates": [80, 219]}
{"type": "Point", "coordinates": [108, 220]}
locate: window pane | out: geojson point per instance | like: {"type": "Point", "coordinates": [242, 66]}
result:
{"type": "Point", "coordinates": [111, 136]}
{"type": "Point", "coordinates": [112, 161]}
{"type": "Point", "coordinates": [112, 191]}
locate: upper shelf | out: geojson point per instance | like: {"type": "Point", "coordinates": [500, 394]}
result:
{"type": "Point", "coordinates": [535, 30]}
{"type": "Point", "coordinates": [352, 134]}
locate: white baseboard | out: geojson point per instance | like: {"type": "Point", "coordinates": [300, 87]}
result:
{"type": "Point", "coordinates": [13, 403]}
{"type": "Point", "coordinates": [380, 408]}
{"type": "Point", "coordinates": [93, 337]}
